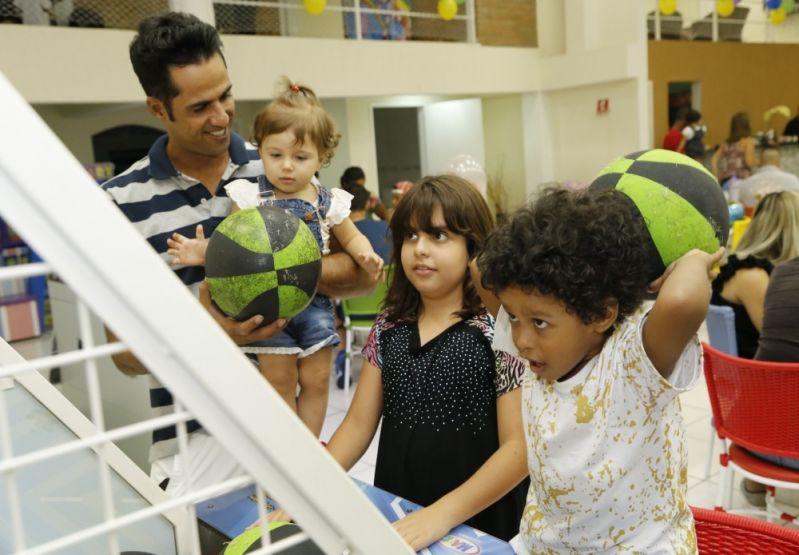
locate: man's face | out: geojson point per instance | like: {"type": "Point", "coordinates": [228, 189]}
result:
{"type": "Point", "coordinates": [202, 111]}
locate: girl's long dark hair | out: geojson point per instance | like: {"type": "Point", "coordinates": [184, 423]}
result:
{"type": "Point", "coordinates": [465, 213]}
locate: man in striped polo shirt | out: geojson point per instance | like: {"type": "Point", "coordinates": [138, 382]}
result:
{"type": "Point", "coordinates": [180, 184]}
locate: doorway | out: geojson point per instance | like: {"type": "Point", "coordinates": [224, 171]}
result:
{"type": "Point", "coordinates": [397, 144]}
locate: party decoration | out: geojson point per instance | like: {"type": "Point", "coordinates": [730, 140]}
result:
{"type": "Point", "coordinates": [781, 110]}
{"type": "Point", "coordinates": [465, 166]}
{"type": "Point", "coordinates": [773, 4]}
{"type": "Point", "coordinates": [777, 16]}
{"type": "Point", "coordinates": [667, 7]}
{"type": "Point", "coordinates": [788, 5]}
{"type": "Point", "coordinates": [725, 8]}
{"type": "Point", "coordinates": [314, 7]}
{"type": "Point", "coordinates": [447, 9]}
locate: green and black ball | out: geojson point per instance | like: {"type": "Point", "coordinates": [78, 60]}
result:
{"type": "Point", "coordinates": [250, 540]}
{"type": "Point", "coordinates": [262, 261]}
{"type": "Point", "coordinates": [680, 201]}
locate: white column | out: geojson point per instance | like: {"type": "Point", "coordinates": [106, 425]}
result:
{"type": "Point", "coordinates": [537, 138]}
{"type": "Point", "coordinates": [203, 9]}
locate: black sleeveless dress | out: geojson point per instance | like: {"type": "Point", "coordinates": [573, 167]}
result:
{"type": "Point", "coordinates": [439, 413]}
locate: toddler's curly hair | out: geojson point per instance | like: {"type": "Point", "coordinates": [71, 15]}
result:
{"type": "Point", "coordinates": [586, 248]}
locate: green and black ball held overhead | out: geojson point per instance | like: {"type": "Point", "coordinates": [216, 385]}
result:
{"type": "Point", "coordinates": [680, 201]}
{"type": "Point", "coordinates": [262, 261]}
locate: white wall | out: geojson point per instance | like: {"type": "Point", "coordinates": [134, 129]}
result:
{"type": "Point", "coordinates": [51, 65]}
{"type": "Point", "coordinates": [503, 130]}
{"type": "Point", "coordinates": [450, 129]}
{"type": "Point", "coordinates": [584, 141]}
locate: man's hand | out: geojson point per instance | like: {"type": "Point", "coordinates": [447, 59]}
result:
{"type": "Point", "coordinates": [242, 333]}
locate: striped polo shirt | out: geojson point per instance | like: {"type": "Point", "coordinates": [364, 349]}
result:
{"type": "Point", "coordinates": [159, 200]}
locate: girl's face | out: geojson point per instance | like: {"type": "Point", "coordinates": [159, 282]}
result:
{"type": "Point", "coordinates": [289, 165]}
{"type": "Point", "coordinates": [435, 262]}
{"type": "Point", "coordinates": [555, 342]}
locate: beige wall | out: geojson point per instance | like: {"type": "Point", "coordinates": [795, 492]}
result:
{"type": "Point", "coordinates": [91, 65]}
{"type": "Point", "coordinates": [585, 141]}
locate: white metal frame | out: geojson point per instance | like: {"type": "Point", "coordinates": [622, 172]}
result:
{"type": "Point", "coordinates": [50, 200]}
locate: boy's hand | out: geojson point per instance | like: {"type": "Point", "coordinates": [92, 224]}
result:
{"type": "Point", "coordinates": [185, 251]}
{"type": "Point", "coordinates": [711, 261]}
{"type": "Point", "coordinates": [372, 263]}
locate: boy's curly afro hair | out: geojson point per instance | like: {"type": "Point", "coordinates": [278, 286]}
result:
{"type": "Point", "coordinates": [584, 248]}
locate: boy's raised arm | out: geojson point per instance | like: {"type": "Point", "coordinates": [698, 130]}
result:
{"type": "Point", "coordinates": [681, 306]}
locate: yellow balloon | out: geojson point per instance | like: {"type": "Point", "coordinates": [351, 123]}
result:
{"type": "Point", "coordinates": [667, 7]}
{"type": "Point", "coordinates": [314, 7]}
{"type": "Point", "coordinates": [725, 7]}
{"type": "Point", "coordinates": [447, 9]}
{"type": "Point", "coordinates": [777, 16]}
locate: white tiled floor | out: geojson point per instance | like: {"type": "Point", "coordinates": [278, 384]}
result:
{"type": "Point", "coordinates": [696, 411]}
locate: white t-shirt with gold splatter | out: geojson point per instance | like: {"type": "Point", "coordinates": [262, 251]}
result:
{"type": "Point", "coordinates": [606, 454]}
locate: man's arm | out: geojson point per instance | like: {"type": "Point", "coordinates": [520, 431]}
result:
{"type": "Point", "coordinates": [242, 333]}
{"type": "Point", "coordinates": [127, 363]}
{"type": "Point", "coordinates": [342, 278]}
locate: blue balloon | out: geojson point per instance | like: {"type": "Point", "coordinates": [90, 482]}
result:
{"type": "Point", "coordinates": [736, 211]}
{"type": "Point", "coordinates": [773, 4]}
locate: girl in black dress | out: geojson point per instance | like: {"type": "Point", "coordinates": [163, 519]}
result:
{"type": "Point", "coordinates": [451, 436]}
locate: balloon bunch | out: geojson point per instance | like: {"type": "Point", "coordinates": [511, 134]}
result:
{"type": "Point", "coordinates": [314, 7]}
{"type": "Point", "coordinates": [725, 7]}
{"type": "Point", "coordinates": [667, 7]}
{"type": "Point", "coordinates": [778, 9]}
{"type": "Point", "coordinates": [448, 9]}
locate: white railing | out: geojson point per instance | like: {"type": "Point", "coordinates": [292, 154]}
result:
{"type": "Point", "coordinates": [64, 484]}
{"type": "Point", "coordinates": [750, 21]}
{"type": "Point", "coordinates": [394, 20]}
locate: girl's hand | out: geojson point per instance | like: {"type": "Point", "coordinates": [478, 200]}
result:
{"type": "Point", "coordinates": [421, 528]}
{"type": "Point", "coordinates": [710, 260]}
{"type": "Point", "coordinates": [185, 251]}
{"type": "Point", "coordinates": [372, 263]}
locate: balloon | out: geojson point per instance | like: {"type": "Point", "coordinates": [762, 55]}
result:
{"type": "Point", "coordinates": [788, 5]}
{"type": "Point", "coordinates": [466, 167]}
{"type": "Point", "coordinates": [777, 16]}
{"type": "Point", "coordinates": [725, 7]}
{"type": "Point", "coordinates": [736, 2]}
{"type": "Point", "coordinates": [447, 9]}
{"type": "Point", "coordinates": [314, 7]}
{"type": "Point", "coordinates": [667, 7]}
{"type": "Point", "coordinates": [773, 4]}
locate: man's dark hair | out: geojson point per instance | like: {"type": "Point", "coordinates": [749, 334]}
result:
{"type": "Point", "coordinates": [679, 115]}
{"type": "Point", "coordinates": [692, 116]}
{"type": "Point", "coordinates": [360, 198]}
{"type": "Point", "coordinates": [350, 176]}
{"type": "Point", "coordinates": [585, 248]}
{"type": "Point", "coordinates": [171, 39]}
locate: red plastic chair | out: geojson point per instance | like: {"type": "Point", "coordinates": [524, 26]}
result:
{"type": "Point", "coordinates": [720, 533]}
{"type": "Point", "coordinates": [755, 407]}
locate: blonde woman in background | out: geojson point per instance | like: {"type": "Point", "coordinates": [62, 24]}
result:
{"type": "Point", "coordinates": [772, 237]}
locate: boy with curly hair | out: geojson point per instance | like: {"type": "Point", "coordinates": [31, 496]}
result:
{"type": "Point", "coordinates": [605, 439]}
